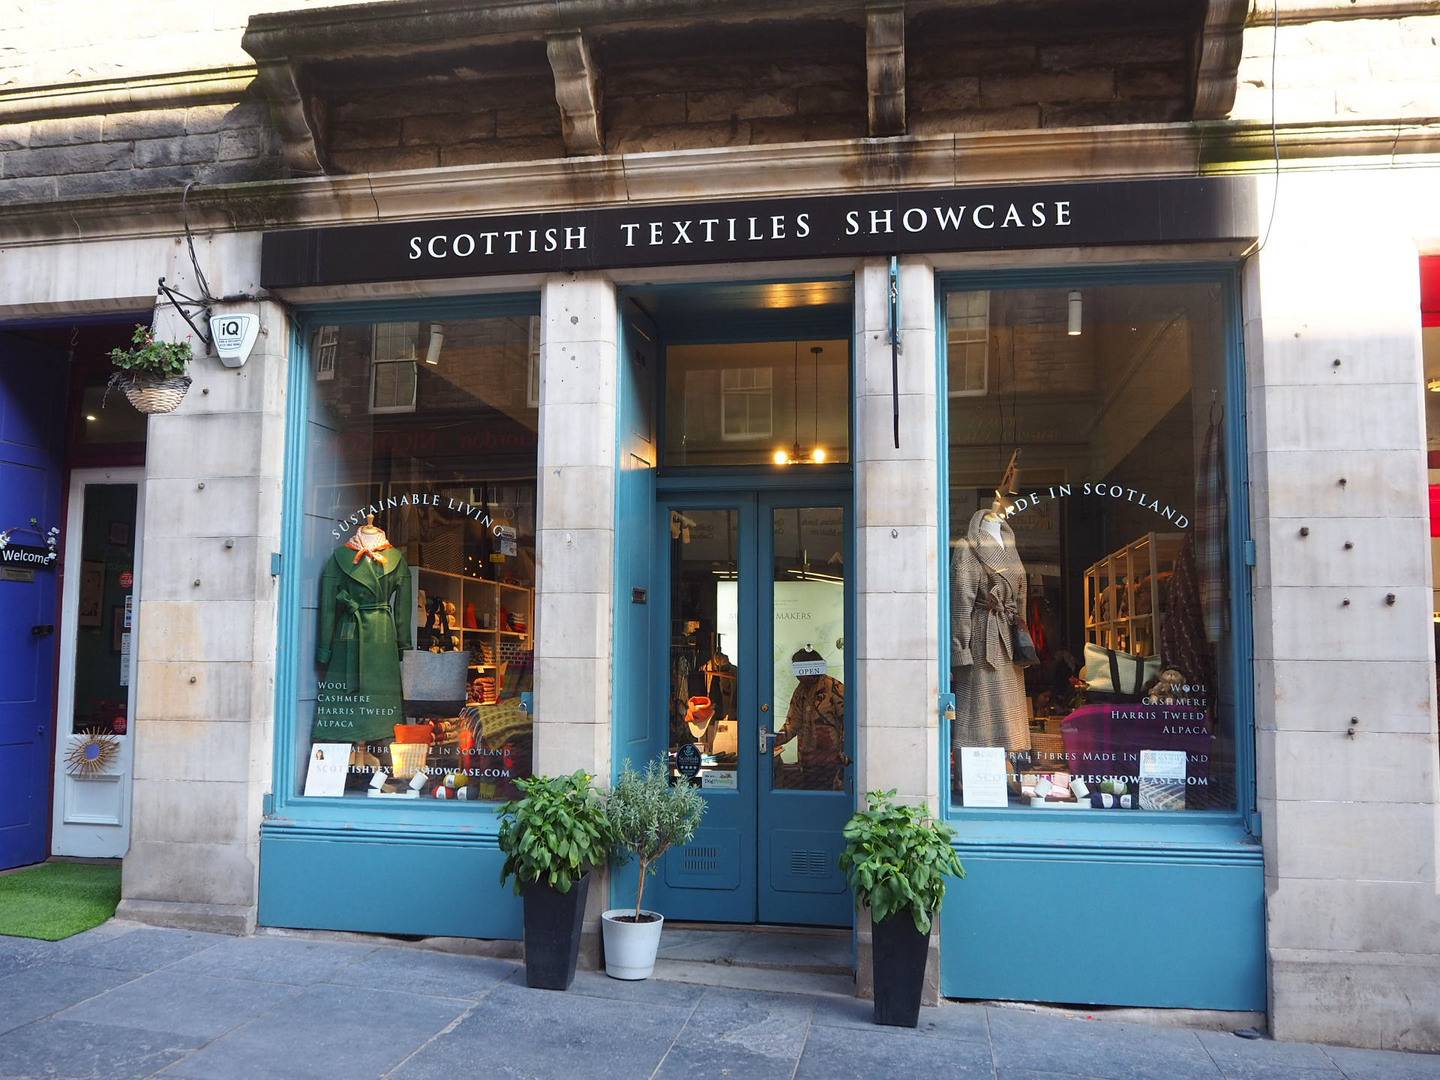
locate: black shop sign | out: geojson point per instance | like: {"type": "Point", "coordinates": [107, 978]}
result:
{"type": "Point", "coordinates": [991, 218]}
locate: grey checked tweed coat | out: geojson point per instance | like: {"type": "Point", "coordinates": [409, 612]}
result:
{"type": "Point", "coordinates": [987, 587]}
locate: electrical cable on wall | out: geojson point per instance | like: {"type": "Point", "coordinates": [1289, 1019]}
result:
{"type": "Point", "coordinates": [181, 301]}
{"type": "Point", "coordinates": [1259, 246]}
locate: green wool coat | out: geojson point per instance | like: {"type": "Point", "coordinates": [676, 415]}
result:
{"type": "Point", "coordinates": [359, 645]}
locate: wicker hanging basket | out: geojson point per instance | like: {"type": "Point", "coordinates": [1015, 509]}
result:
{"type": "Point", "coordinates": [149, 394]}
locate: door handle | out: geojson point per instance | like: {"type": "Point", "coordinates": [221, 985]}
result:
{"type": "Point", "coordinates": [43, 630]}
{"type": "Point", "coordinates": [766, 738]}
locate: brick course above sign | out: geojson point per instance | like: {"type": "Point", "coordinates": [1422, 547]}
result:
{"type": "Point", "coordinates": [952, 219]}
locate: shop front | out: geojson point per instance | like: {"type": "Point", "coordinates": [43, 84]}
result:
{"type": "Point", "coordinates": [779, 491]}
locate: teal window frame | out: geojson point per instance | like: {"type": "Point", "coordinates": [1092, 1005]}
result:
{"type": "Point", "coordinates": [358, 817]}
{"type": "Point", "coordinates": [1202, 828]}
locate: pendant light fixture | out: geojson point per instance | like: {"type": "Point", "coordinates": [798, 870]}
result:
{"type": "Point", "coordinates": [794, 455]}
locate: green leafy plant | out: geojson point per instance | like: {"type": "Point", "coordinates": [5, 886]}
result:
{"type": "Point", "coordinates": [146, 356]}
{"type": "Point", "coordinates": [555, 834]}
{"type": "Point", "coordinates": [648, 817]}
{"type": "Point", "coordinates": [897, 859]}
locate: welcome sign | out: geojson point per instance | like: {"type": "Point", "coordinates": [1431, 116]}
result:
{"type": "Point", "coordinates": [990, 218]}
{"type": "Point", "coordinates": [27, 557]}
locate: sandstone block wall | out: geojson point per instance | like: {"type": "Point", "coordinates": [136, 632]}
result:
{"type": "Point", "coordinates": [119, 152]}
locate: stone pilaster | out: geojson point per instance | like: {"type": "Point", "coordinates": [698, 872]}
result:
{"type": "Point", "coordinates": [1344, 665]}
{"type": "Point", "coordinates": [897, 521]}
{"type": "Point", "coordinates": [575, 557]}
{"type": "Point", "coordinates": [207, 632]}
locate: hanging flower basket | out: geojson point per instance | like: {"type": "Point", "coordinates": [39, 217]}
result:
{"type": "Point", "coordinates": [151, 374]}
{"type": "Point", "coordinates": [150, 394]}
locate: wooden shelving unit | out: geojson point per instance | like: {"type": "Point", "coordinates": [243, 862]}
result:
{"type": "Point", "coordinates": [493, 644]}
{"type": "Point", "coordinates": [1125, 594]}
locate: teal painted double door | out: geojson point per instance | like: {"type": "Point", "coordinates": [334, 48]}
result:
{"type": "Point", "coordinates": [752, 616]}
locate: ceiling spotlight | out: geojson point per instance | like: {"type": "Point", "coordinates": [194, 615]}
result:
{"type": "Point", "coordinates": [1433, 385]}
{"type": "Point", "coordinates": [437, 339]}
{"type": "Point", "coordinates": [90, 418]}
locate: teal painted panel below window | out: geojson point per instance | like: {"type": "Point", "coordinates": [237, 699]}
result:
{"type": "Point", "coordinates": [1092, 931]}
{"type": "Point", "coordinates": [385, 886]}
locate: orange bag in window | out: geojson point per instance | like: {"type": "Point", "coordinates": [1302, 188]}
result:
{"type": "Point", "coordinates": [414, 733]}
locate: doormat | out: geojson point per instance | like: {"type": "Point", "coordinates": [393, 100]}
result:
{"type": "Point", "coordinates": [58, 899]}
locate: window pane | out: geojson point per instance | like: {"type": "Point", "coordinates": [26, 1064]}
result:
{"type": "Point", "coordinates": [418, 561]}
{"type": "Point", "coordinates": [740, 404]}
{"type": "Point", "coordinates": [1107, 549]}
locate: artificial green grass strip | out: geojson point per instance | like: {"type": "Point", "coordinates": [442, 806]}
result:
{"type": "Point", "coordinates": [58, 899]}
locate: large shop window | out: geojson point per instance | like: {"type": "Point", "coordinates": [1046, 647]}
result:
{"type": "Point", "coordinates": [418, 562]}
{"type": "Point", "coordinates": [1088, 565]}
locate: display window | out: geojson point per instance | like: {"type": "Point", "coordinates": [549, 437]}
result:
{"type": "Point", "coordinates": [417, 575]}
{"type": "Point", "coordinates": [1092, 636]}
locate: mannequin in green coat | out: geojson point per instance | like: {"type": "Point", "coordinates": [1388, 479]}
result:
{"type": "Point", "coordinates": [361, 638]}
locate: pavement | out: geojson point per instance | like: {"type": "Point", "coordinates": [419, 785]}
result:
{"type": "Point", "coordinates": [127, 1001]}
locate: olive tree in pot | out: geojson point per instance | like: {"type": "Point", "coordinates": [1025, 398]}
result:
{"type": "Point", "coordinates": [897, 859]}
{"type": "Point", "coordinates": [553, 838]}
{"type": "Point", "coordinates": [151, 374]}
{"type": "Point", "coordinates": [648, 815]}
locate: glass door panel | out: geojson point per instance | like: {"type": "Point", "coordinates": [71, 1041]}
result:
{"type": "Point", "coordinates": [94, 747]}
{"type": "Point", "coordinates": [807, 613]}
{"type": "Point", "coordinates": [707, 702]}
{"type": "Point", "coordinates": [808, 797]}
{"type": "Point", "coordinates": [703, 703]}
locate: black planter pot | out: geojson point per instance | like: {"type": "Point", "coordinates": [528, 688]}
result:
{"type": "Point", "coordinates": [552, 934]}
{"type": "Point", "coordinates": [899, 952]}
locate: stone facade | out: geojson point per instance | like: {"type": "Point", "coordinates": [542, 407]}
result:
{"type": "Point", "coordinates": [1347, 807]}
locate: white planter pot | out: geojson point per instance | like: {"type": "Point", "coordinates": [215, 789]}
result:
{"type": "Point", "coordinates": [630, 948]}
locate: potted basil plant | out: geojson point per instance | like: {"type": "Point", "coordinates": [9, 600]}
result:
{"type": "Point", "coordinates": [552, 838]}
{"type": "Point", "coordinates": [648, 815]}
{"type": "Point", "coordinates": [898, 859]}
{"type": "Point", "coordinates": [151, 374]}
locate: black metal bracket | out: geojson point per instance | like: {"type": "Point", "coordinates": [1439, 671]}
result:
{"type": "Point", "coordinates": [895, 346]}
{"type": "Point", "coordinates": [179, 301]}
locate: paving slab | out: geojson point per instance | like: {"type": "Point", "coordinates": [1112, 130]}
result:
{"type": "Point", "coordinates": [1023, 1040]}
{"type": "Point", "coordinates": [740, 1033]}
{"type": "Point", "coordinates": [200, 1006]}
{"type": "Point", "coordinates": [1384, 1064]}
{"type": "Point", "coordinates": [325, 1032]}
{"type": "Point", "coordinates": [1264, 1059]}
{"type": "Point", "coordinates": [71, 1050]}
{"type": "Point", "coordinates": [425, 971]}
{"type": "Point", "coordinates": [297, 961]}
{"type": "Point", "coordinates": [968, 1023]}
{"type": "Point", "coordinates": [40, 991]}
{"type": "Point", "coordinates": [139, 948]}
{"type": "Point", "coordinates": [851, 1054]}
{"type": "Point", "coordinates": [525, 1034]}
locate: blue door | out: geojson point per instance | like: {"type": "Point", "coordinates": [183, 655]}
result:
{"type": "Point", "coordinates": [752, 616]}
{"type": "Point", "coordinates": [32, 410]}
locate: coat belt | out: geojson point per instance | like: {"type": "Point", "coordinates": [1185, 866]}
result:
{"type": "Point", "coordinates": [352, 674]}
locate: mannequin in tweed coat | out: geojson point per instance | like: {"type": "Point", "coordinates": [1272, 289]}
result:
{"type": "Point", "coordinates": [987, 589]}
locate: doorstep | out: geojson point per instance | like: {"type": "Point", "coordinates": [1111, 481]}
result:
{"type": "Point", "coordinates": [780, 959]}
